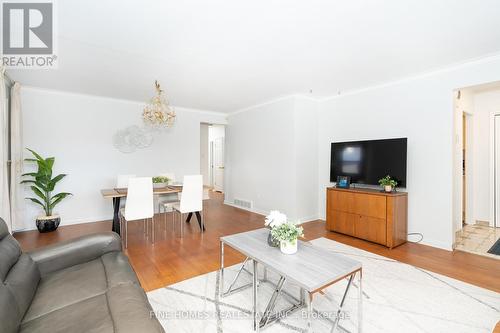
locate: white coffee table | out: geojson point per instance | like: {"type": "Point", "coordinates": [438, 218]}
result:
{"type": "Point", "coordinates": [311, 268]}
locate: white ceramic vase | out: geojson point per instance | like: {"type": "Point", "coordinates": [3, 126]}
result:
{"type": "Point", "coordinates": [388, 188]}
{"type": "Point", "coordinates": [288, 247]}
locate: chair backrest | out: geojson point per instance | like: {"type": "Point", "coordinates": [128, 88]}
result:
{"type": "Point", "coordinates": [169, 175]}
{"type": "Point", "coordinates": [139, 204]}
{"type": "Point", "coordinates": [122, 180]}
{"type": "Point", "coordinates": [192, 194]}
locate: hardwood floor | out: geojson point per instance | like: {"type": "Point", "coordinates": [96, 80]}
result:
{"type": "Point", "coordinates": [172, 259]}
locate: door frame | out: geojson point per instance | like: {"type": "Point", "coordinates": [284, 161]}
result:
{"type": "Point", "coordinates": [211, 161]}
{"type": "Point", "coordinates": [493, 176]}
{"type": "Point", "coordinates": [223, 157]}
{"type": "Point", "coordinates": [469, 195]}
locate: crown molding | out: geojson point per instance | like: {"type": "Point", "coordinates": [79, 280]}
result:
{"type": "Point", "coordinates": [121, 100]}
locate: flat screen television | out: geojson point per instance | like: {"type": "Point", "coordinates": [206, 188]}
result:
{"type": "Point", "coordinates": [368, 161]}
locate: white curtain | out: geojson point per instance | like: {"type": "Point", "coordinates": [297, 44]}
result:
{"type": "Point", "coordinates": [4, 152]}
{"type": "Point", "coordinates": [16, 155]}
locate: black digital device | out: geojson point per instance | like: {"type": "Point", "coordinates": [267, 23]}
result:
{"type": "Point", "coordinates": [365, 162]}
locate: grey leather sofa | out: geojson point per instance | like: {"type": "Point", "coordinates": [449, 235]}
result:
{"type": "Point", "coordinates": [84, 285]}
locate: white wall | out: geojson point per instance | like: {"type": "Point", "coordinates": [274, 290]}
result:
{"type": "Point", "coordinates": [260, 157]}
{"type": "Point", "coordinates": [306, 158]}
{"type": "Point", "coordinates": [272, 152]}
{"type": "Point", "coordinates": [420, 108]}
{"type": "Point", "coordinates": [78, 130]}
{"type": "Point", "coordinates": [204, 154]}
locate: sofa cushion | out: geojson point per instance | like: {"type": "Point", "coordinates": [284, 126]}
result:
{"type": "Point", "coordinates": [80, 282]}
{"type": "Point", "coordinates": [22, 281]}
{"type": "Point", "coordinates": [131, 311]}
{"type": "Point", "coordinates": [90, 315]}
{"type": "Point", "coordinates": [118, 269]}
{"type": "Point", "coordinates": [123, 308]}
{"type": "Point", "coordinates": [9, 314]}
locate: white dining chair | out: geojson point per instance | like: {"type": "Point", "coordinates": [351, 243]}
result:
{"type": "Point", "coordinates": [139, 205]}
{"type": "Point", "coordinates": [168, 200]}
{"type": "Point", "coordinates": [122, 180]}
{"type": "Point", "coordinates": [191, 200]}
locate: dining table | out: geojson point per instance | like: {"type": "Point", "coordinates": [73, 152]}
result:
{"type": "Point", "coordinates": [116, 194]}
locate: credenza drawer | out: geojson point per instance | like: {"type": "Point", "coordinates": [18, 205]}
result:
{"type": "Point", "coordinates": [370, 205]}
{"type": "Point", "coordinates": [343, 222]}
{"type": "Point", "coordinates": [341, 201]}
{"type": "Point", "coordinates": [359, 204]}
{"type": "Point", "coordinates": [371, 229]}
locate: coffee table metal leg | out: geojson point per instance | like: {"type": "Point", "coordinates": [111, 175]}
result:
{"type": "Point", "coordinates": [339, 311]}
{"type": "Point", "coordinates": [256, 325]}
{"type": "Point", "coordinates": [272, 302]}
{"type": "Point", "coordinates": [231, 285]}
{"type": "Point", "coordinates": [221, 284]}
{"type": "Point", "coordinates": [309, 301]}
{"type": "Point", "coordinates": [360, 301]}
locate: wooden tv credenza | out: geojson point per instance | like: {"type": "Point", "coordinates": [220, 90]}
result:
{"type": "Point", "coordinates": [368, 214]}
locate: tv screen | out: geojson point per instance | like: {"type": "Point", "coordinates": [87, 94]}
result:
{"type": "Point", "coordinates": [368, 161]}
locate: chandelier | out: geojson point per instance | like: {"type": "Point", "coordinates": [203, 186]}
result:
{"type": "Point", "coordinates": [158, 113]}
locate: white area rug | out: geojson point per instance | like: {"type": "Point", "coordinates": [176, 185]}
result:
{"type": "Point", "coordinates": [397, 298]}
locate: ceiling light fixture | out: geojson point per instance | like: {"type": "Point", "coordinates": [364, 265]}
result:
{"type": "Point", "coordinates": [158, 113]}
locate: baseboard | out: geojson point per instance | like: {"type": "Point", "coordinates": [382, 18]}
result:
{"type": "Point", "coordinates": [437, 244]}
{"type": "Point", "coordinates": [253, 210]}
{"type": "Point", "coordinates": [307, 219]}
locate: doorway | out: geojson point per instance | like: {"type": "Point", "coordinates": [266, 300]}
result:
{"type": "Point", "coordinates": [476, 175]}
{"type": "Point", "coordinates": [217, 134]}
{"type": "Point", "coordinates": [212, 156]}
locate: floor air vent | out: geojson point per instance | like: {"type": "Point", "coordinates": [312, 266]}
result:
{"type": "Point", "coordinates": [243, 203]}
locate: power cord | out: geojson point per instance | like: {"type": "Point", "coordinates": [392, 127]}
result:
{"type": "Point", "coordinates": [418, 234]}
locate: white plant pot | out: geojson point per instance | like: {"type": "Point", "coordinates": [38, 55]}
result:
{"type": "Point", "coordinates": [159, 185]}
{"type": "Point", "coordinates": [288, 247]}
{"type": "Point", "coordinates": [388, 188]}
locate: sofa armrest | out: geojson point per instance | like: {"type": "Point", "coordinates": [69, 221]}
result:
{"type": "Point", "coordinates": [75, 251]}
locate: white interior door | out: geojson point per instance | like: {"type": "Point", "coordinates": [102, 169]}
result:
{"type": "Point", "coordinates": [218, 154]}
{"type": "Point", "coordinates": [497, 171]}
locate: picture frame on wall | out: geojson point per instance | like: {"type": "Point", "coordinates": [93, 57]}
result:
{"type": "Point", "coordinates": [343, 181]}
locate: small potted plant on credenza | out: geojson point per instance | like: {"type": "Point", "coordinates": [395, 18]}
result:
{"type": "Point", "coordinates": [42, 185]}
{"type": "Point", "coordinates": [388, 184]}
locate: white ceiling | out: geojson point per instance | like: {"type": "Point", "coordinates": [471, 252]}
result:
{"type": "Point", "coordinates": [226, 55]}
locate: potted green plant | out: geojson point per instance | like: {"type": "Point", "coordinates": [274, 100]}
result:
{"type": "Point", "coordinates": [42, 185]}
{"type": "Point", "coordinates": [287, 235]}
{"type": "Point", "coordinates": [160, 181]}
{"type": "Point", "coordinates": [273, 220]}
{"type": "Point", "coordinates": [388, 183]}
